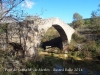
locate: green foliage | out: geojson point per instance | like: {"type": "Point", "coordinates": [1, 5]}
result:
{"type": "Point", "coordinates": [78, 21]}
{"type": "Point", "coordinates": [77, 16]}
{"type": "Point", "coordinates": [78, 38]}
{"type": "Point", "coordinates": [3, 28]}
{"type": "Point", "coordinates": [50, 34]}
{"type": "Point", "coordinates": [72, 45]}
{"type": "Point", "coordinates": [95, 18]}
{"type": "Point", "coordinates": [87, 21]}
{"type": "Point", "coordinates": [81, 55]}
{"type": "Point", "coordinates": [90, 48]}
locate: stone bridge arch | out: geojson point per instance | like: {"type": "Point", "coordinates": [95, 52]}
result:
{"type": "Point", "coordinates": [29, 35]}
{"type": "Point", "coordinates": [63, 29]}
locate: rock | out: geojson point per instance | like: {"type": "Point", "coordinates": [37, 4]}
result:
{"type": "Point", "coordinates": [55, 51]}
{"type": "Point", "coordinates": [16, 64]}
{"type": "Point", "coordinates": [65, 51]}
{"type": "Point", "coordinates": [79, 47]}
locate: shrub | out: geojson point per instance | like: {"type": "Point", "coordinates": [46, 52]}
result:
{"type": "Point", "coordinates": [78, 38]}
{"type": "Point", "coordinates": [72, 45]}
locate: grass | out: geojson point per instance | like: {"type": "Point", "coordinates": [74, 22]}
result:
{"type": "Point", "coordinates": [61, 56]}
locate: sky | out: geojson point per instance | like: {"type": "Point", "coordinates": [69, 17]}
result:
{"type": "Point", "coordinates": [63, 9]}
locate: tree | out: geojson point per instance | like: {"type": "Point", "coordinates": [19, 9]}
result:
{"type": "Point", "coordinates": [6, 6]}
{"type": "Point", "coordinates": [95, 18]}
{"type": "Point", "coordinates": [77, 20]}
{"type": "Point", "coordinates": [87, 22]}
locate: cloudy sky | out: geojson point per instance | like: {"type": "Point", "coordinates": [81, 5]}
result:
{"type": "Point", "coordinates": [64, 9]}
{"type": "Point", "coordinates": [28, 4]}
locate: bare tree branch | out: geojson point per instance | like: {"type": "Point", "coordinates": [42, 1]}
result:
{"type": "Point", "coordinates": [10, 4]}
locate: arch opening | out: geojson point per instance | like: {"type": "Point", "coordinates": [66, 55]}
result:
{"type": "Point", "coordinates": [56, 36]}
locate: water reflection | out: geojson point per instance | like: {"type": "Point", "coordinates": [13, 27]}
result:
{"type": "Point", "coordinates": [86, 71]}
{"type": "Point", "coordinates": [58, 69]}
{"type": "Point", "coordinates": [61, 65]}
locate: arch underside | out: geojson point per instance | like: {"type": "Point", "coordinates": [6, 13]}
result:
{"type": "Point", "coordinates": [61, 32]}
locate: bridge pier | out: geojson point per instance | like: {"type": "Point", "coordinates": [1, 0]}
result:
{"type": "Point", "coordinates": [65, 46]}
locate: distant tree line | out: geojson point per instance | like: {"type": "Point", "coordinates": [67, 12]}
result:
{"type": "Point", "coordinates": [94, 20]}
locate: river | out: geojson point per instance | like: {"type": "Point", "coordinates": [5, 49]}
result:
{"type": "Point", "coordinates": [62, 64]}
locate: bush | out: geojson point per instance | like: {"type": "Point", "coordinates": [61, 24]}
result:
{"type": "Point", "coordinates": [90, 48]}
{"type": "Point", "coordinates": [72, 45]}
{"type": "Point", "coordinates": [78, 38]}
{"type": "Point", "coordinates": [81, 55]}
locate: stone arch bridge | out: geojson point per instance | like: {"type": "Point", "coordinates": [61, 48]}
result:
{"type": "Point", "coordinates": [29, 33]}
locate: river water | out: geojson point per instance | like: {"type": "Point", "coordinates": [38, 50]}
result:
{"type": "Point", "coordinates": [59, 65]}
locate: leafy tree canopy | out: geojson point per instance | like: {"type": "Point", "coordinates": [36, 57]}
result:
{"type": "Point", "coordinates": [77, 20]}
